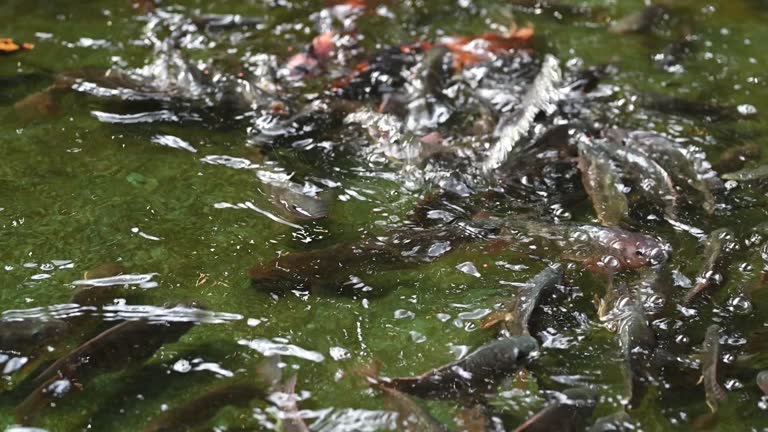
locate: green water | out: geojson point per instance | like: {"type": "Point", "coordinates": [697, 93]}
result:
{"type": "Point", "coordinates": [75, 189]}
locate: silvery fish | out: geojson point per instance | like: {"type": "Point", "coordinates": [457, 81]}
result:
{"type": "Point", "coordinates": [472, 375]}
{"type": "Point", "coordinates": [514, 318]}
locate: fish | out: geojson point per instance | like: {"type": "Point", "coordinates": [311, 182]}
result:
{"type": "Point", "coordinates": [762, 381]}
{"type": "Point", "coordinates": [473, 419]}
{"type": "Point", "coordinates": [748, 174]}
{"type": "Point", "coordinates": [312, 59]}
{"type": "Point", "coordinates": [427, 106]}
{"type": "Point", "coordinates": [203, 408]}
{"type": "Point", "coordinates": [411, 415]}
{"type": "Point", "coordinates": [599, 249]}
{"type": "Point", "coordinates": [618, 422]}
{"type": "Point", "coordinates": [121, 346]}
{"type": "Point", "coordinates": [735, 158]}
{"type": "Point", "coordinates": [569, 412]}
{"type": "Point", "coordinates": [654, 180]}
{"type": "Point", "coordinates": [26, 336]}
{"type": "Point", "coordinates": [516, 315]}
{"type": "Point", "coordinates": [470, 50]}
{"type": "Point", "coordinates": [471, 376]}
{"type": "Point", "coordinates": [717, 253]}
{"type": "Point", "coordinates": [710, 358]}
{"type": "Point", "coordinates": [297, 202]}
{"type": "Point", "coordinates": [686, 165]}
{"type": "Point", "coordinates": [335, 267]}
{"type": "Point", "coordinates": [638, 344]}
{"type": "Point", "coordinates": [638, 22]}
{"type": "Point", "coordinates": [601, 180]}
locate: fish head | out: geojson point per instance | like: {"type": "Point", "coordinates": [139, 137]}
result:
{"type": "Point", "coordinates": [639, 250]}
{"type": "Point", "coordinates": [526, 346]}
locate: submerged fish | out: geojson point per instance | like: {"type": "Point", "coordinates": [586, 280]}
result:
{"type": "Point", "coordinates": [600, 249]}
{"type": "Point", "coordinates": [687, 165]}
{"type": "Point", "coordinates": [203, 408]}
{"type": "Point", "coordinates": [569, 412]}
{"type": "Point", "coordinates": [653, 180]}
{"type": "Point", "coordinates": [619, 422]}
{"type": "Point", "coordinates": [516, 315]}
{"type": "Point", "coordinates": [734, 158]}
{"type": "Point", "coordinates": [601, 180]}
{"type": "Point", "coordinates": [710, 357]}
{"type": "Point", "coordinates": [25, 336]}
{"type": "Point", "coordinates": [124, 345]}
{"type": "Point", "coordinates": [297, 202]}
{"type": "Point", "coordinates": [638, 22]}
{"type": "Point", "coordinates": [750, 174]}
{"type": "Point", "coordinates": [411, 415]}
{"type": "Point", "coordinates": [471, 376]}
{"type": "Point", "coordinates": [719, 245]}
{"type": "Point", "coordinates": [638, 344]}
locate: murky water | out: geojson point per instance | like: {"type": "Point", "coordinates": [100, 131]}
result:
{"type": "Point", "coordinates": [167, 197]}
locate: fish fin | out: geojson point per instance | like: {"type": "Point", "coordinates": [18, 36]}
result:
{"type": "Point", "coordinates": [493, 319]}
{"type": "Point", "coordinates": [701, 380]}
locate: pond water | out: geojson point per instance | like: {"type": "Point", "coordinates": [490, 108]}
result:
{"type": "Point", "coordinates": [160, 174]}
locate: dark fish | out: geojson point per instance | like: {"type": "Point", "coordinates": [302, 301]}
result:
{"type": "Point", "coordinates": [601, 180]}
{"type": "Point", "coordinates": [569, 412]}
{"type": "Point", "coordinates": [25, 336]}
{"type": "Point", "coordinates": [679, 106]}
{"type": "Point", "coordinates": [516, 315]}
{"type": "Point", "coordinates": [654, 180]}
{"type": "Point", "coordinates": [600, 249]}
{"type": "Point", "coordinates": [124, 345]}
{"type": "Point", "coordinates": [687, 165]}
{"type": "Point", "coordinates": [710, 357]}
{"type": "Point", "coordinates": [762, 381]}
{"type": "Point", "coordinates": [338, 267]}
{"type": "Point", "coordinates": [717, 253]}
{"type": "Point", "coordinates": [749, 174]}
{"type": "Point", "coordinates": [472, 375]}
{"type": "Point", "coordinates": [203, 408]}
{"type": "Point", "coordinates": [638, 22]}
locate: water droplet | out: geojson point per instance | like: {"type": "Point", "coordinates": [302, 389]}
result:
{"type": "Point", "coordinates": [402, 313]}
{"type": "Point", "coordinates": [468, 268]}
{"type": "Point", "coordinates": [746, 109]}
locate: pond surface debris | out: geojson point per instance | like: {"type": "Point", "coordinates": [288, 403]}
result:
{"type": "Point", "coordinates": [376, 215]}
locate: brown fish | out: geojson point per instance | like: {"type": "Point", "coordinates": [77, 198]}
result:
{"type": "Point", "coordinates": [568, 413]}
{"type": "Point", "coordinates": [717, 253]}
{"type": "Point", "coordinates": [601, 180]}
{"type": "Point", "coordinates": [203, 408]}
{"type": "Point", "coordinates": [600, 249]}
{"type": "Point", "coordinates": [710, 358]}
